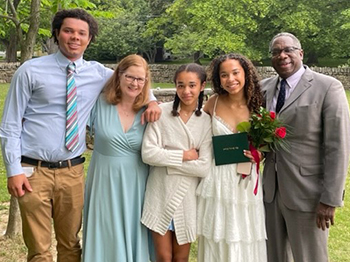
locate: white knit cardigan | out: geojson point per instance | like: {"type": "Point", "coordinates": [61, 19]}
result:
{"type": "Point", "coordinates": [171, 185]}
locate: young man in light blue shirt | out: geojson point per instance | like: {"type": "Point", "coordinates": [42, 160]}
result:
{"type": "Point", "coordinates": [46, 177]}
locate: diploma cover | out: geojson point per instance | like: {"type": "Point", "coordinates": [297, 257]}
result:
{"type": "Point", "coordinates": [228, 149]}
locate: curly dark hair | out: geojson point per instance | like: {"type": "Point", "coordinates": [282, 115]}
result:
{"type": "Point", "coordinates": [202, 75]}
{"type": "Point", "coordinates": [252, 88]}
{"type": "Point", "coordinates": [74, 13]}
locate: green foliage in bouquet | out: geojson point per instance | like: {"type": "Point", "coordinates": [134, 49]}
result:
{"type": "Point", "coordinates": [265, 131]}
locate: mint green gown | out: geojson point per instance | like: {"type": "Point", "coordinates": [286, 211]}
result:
{"type": "Point", "coordinates": [114, 191]}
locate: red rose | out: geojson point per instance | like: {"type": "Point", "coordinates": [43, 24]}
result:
{"type": "Point", "coordinates": [272, 115]}
{"type": "Point", "coordinates": [280, 132]}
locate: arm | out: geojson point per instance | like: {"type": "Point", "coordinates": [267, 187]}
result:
{"type": "Point", "coordinates": [153, 111]}
{"type": "Point", "coordinates": [201, 166]}
{"type": "Point", "coordinates": [11, 129]}
{"type": "Point", "coordinates": [336, 137]}
{"type": "Point", "coordinates": [155, 155]}
{"type": "Point", "coordinates": [153, 152]}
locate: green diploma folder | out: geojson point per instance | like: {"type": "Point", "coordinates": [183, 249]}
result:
{"type": "Point", "coordinates": [228, 149]}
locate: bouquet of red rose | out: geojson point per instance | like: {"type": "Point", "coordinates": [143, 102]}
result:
{"type": "Point", "coordinates": [265, 131]}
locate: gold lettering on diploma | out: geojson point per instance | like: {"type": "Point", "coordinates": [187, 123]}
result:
{"type": "Point", "coordinates": [230, 148]}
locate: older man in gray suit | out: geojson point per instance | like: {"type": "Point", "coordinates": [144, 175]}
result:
{"type": "Point", "coordinates": [304, 184]}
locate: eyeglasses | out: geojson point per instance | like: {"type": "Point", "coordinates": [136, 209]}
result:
{"type": "Point", "coordinates": [287, 50]}
{"type": "Point", "coordinates": [131, 79]}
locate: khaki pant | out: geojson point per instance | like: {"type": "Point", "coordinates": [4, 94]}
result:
{"type": "Point", "coordinates": [58, 195]}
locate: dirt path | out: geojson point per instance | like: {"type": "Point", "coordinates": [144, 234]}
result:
{"type": "Point", "coordinates": [14, 250]}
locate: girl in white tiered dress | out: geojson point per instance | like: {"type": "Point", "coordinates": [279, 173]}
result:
{"type": "Point", "coordinates": [230, 219]}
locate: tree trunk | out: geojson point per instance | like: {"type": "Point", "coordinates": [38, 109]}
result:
{"type": "Point", "coordinates": [151, 55]}
{"type": "Point", "coordinates": [312, 59]}
{"type": "Point", "coordinates": [27, 48]}
{"type": "Point", "coordinates": [11, 47]}
{"type": "Point", "coordinates": [50, 46]}
{"type": "Point", "coordinates": [14, 225]}
{"type": "Point", "coordinates": [196, 57]}
{"type": "Point", "coordinates": [27, 45]}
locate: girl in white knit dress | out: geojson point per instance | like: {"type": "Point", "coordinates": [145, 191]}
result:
{"type": "Point", "coordinates": [178, 149]}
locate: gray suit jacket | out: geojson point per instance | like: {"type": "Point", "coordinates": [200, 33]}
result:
{"type": "Point", "coordinates": [314, 168]}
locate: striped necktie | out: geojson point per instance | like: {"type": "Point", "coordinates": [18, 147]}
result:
{"type": "Point", "coordinates": [72, 135]}
{"type": "Point", "coordinates": [281, 95]}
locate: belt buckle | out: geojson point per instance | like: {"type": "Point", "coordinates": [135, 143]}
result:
{"type": "Point", "coordinates": [56, 165]}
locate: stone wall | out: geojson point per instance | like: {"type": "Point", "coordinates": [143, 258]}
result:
{"type": "Point", "coordinates": [6, 71]}
{"type": "Point", "coordinates": [164, 73]}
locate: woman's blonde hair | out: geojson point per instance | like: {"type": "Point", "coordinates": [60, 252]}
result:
{"type": "Point", "coordinates": [112, 90]}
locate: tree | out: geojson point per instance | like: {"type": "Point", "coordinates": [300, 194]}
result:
{"type": "Point", "coordinates": [28, 43]}
{"type": "Point", "coordinates": [8, 34]}
{"type": "Point", "coordinates": [117, 38]}
{"type": "Point", "coordinates": [126, 31]}
{"type": "Point", "coordinates": [27, 47]}
{"type": "Point", "coordinates": [317, 24]}
{"type": "Point", "coordinates": [121, 34]}
{"type": "Point", "coordinates": [210, 27]}
{"type": "Point", "coordinates": [25, 40]}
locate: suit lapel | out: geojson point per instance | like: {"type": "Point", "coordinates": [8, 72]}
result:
{"type": "Point", "coordinates": [302, 86]}
{"type": "Point", "coordinates": [270, 92]}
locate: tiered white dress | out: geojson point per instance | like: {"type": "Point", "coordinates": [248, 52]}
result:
{"type": "Point", "coordinates": [231, 219]}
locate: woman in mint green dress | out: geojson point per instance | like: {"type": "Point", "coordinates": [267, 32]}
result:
{"type": "Point", "coordinates": [116, 179]}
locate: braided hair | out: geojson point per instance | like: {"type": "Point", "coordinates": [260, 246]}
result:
{"type": "Point", "coordinates": [202, 75]}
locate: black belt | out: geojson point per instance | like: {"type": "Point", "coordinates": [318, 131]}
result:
{"type": "Point", "coordinates": [53, 165]}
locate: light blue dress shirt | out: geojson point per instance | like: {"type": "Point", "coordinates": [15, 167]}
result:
{"type": "Point", "coordinates": [34, 117]}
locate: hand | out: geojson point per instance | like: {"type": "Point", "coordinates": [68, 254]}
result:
{"type": "Point", "coordinates": [18, 185]}
{"type": "Point", "coordinates": [325, 216]}
{"type": "Point", "coordinates": [152, 113]}
{"type": "Point", "coordinates": [248, 154]}
{"type": "Point", "coordinates": [189, 155]}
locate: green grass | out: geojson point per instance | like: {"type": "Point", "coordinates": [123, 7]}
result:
{"type": "Point", "coordinates": [331, 62]}
{"type": "Point", "coordinates": [339, 247]}
{"type": "Point", "coordinates": [163, 85]}
{"type": "Point", "coordinates": [4, 196]}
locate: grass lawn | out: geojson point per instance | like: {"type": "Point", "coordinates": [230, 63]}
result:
{"type": "Point", "coordinates": [4, 196]}
{"type": "Point", "coordinates": [339, 247]}
{"type": "Point", "coordinates": [163, 85]}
